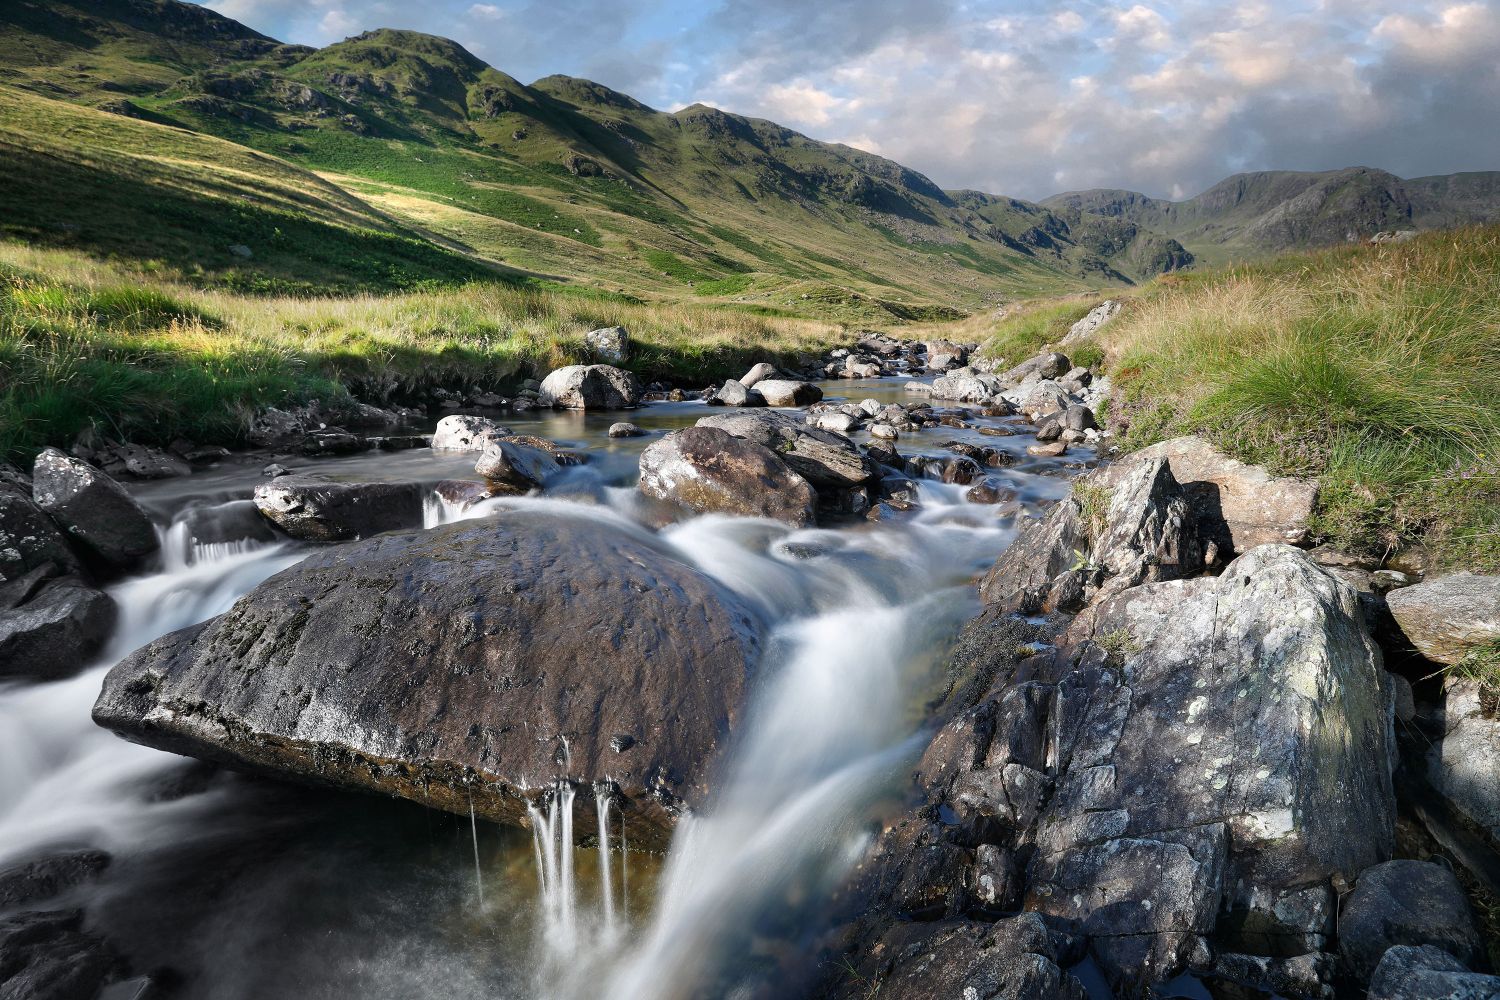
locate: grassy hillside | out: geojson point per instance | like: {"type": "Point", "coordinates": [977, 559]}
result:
{"type": "Point", "coordinates": [1371, 368]}
{"type": "Point", "coordinates": [89, 345]}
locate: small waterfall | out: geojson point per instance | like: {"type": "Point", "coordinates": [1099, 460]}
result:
{"type": "Point", "coordinates": [606, 888]}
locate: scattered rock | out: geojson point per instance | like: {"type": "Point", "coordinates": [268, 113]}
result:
{"type": "Point", "coordinates": [149, 463]}
{"type": "Point", "coordinates": [274, 470]}
{"type": "Point", "coordinates": [590, 387]}
{"type": "Point", "coordinates": [319, 510]}
{"type": "Point", "coordinates": [624, 430]}
{"type": "Point", "coordinates": [462, 660]}
{"type": "Point", "coordinates": [1049, 365]}
{"type": "Point", "coordinates": [1410, 903]}
{"type": "Point", "coordinates": [611, 344]}
{"type": "Point", "coordinates": [461, 432]}
{"type": "Point", "coordinates": [1447, 618]}
{"type": "Point", "coordinates": [783, 392]}
{"type": "Point", "coordinates": [708, 469]}
{"type": "Point", "coordinates": [884, 432]}
{"type": "Point", "coordinates": [93, 509]}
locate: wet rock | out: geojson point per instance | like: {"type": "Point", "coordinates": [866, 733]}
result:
{"type": "Point", "coordinates": [333, 441]}
{"type": "Point", "coordinates": [610, 344]}
{"type": "Point", "coordinates": [275, 428]}
{"type": "Point", "coordinates": [827, 460]}
{"type": "Point", "coordinates": [757, 373]}
{"type": "Point", "coordinates": [1012, 959]}
{"type": "Point", "coordinates": [590, 387]}
{"type": "Point", "coordinates": [29, 538]}
{"type": "Point", "coordinates": [515, 465]}
{"type": "Point", "coordinates": [884, 432]}
{"type": "Point", "coordinates": [462, 659]}
{"type": "Point", "coordinates": [1405, 902]}
{"type": "Point", "coordinates": [274, 470]}
{"type": "Point", "coordinates": [227, 523]}
{"type": "Point", "coordinates": [320, 510]}
{"type": "Point", "coordinates": [989, 490]}
{"type": "Point", "coordinates": [624, 429]}
{"type": "Point", "coordinates": [734, 393]}
{"type": "Point", "coordinates": [1427, 973]}
{"type": "Point", "coordinates": [51, 628]}
{"type": "Point", "coordinates": [33, 881]}
{"type": "Point", "coordinates": [149, 463]}
{"type": "Point", "coordinates": [833, 420]}
{"type": "Point", "coordinates": [46, 955]}
{"type": "Point", "coordinates": [705, 468]}
{"type": "Point", "coordinates": [461, 432]}
{"type": "Point", "coordinates": [93, 509]}
{"type": "Point", "coordinates": [462, 493]}
{"type": "Point", "coordinates": [1447, 618]}
{"type": "Point", "coordinates": [784, 392]}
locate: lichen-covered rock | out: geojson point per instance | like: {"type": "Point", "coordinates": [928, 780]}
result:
{"type": "Point", "coordinates": [93, 509]}
{"type": "Point", "coordinates": [1405, 902]}
{"type": "Point", "coordinates": [320, 510]}
{"type": "Point", "coordinates": [1465, 758]}
{"type": "Point", "coordinates": [29, 538]}
{"type": "Point", "coordinates": [611, 343]}
{"type": "Point", "coordinates": [488, 658]}
{"type": "Point", "coordinates": [1448, 617]}
{"type": "Point", "coordinates": [707, 469]}
{"type": "Point", "coordinates": [590, 387]}
{"type": "Point", "coordinates": [462, 432]}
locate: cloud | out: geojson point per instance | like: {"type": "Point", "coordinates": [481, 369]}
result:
{"type": "Point", "coordinates": [486, 12]}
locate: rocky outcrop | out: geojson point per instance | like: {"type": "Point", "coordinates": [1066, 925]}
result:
{"type": "Point", "coordinates": [461, 432]}
{"type": "Point", "coordinates": [1463, 760]}
{"type": "Point", "coordinates": [314, 509]}
{"type": "Point", "coordinates": [1092, 323]}
{"type": "Point", "coordinates": [784, 392]}
{"type": "Point", "coordinates": [590, 387]}
{"type": "Point", "coordinates": [706, 469]}
{"type": "Point", "coordinates": [610, 344]}
{"type": "Point", "coordinates": [51, 628]}
{"type": "Point", "coordinates": [462, 662]}
{"type": "Point", "coordinates": [1447, 618]}
{"type": "Point", "coordinates": [1407, 903]}
{"type": "Point", "coordinates": [93, 509]}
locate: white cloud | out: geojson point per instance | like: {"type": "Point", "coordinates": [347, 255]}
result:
{"type": "Point", "coordinates": [486, 12]}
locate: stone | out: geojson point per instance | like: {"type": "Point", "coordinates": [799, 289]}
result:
{"type": "Point", "coordinates": [1424, 972]}
{"type": "Point", "coordinates": [275, 428]}
{"type": "Point", "coordinates": [1410, 903]}
{"type": "Point", "coordinates": [46, 955]}
{"type": "Point", "coordinates": [1043, 399]}
{"type": "Point", "coordinates": [29, 539]}
{"type": "Point", "coordinates": [462, 432]}
{"type": "Point", "coordinates": [462, 493]}
{"type": "Point", "coordinates": [833, 420]}
{"type": "Point", "coordinates": [332, 441]}
{"type": "Point", "coordinates": [150, 463]}
{"type": "Point", "coordinates": [93, 509]}
{"type": "Point", "coordinates": [610, 344]}
{"type": "Point", "coordinates": [51, 628]}
{"type": "Point", "coordinates": [1048, 365]}
{"type": "Point", "coordinates": [965, 388]}
{"type": "Point", "coordinates": [1463, 761]}
{"type": "Point", "coordinates": [758, 373]}
{"type": "Point", "coordinates": [313, 509]}
{"type": "Point", "coordinates": [43, 878]}
{"type": "Point", "coordinates": [1079, 418]}
{"type": "Point", "coordinates": [624, 429]}
{"type": "Point", "coordinates": [1052, 449]}
{"type": "Point", "coordinates": [989, 490]}
{"type": "Point", "coordinates": [884, 432]}
{"type": "Point", "coordinates": [516, 465]}
{"type": "Point", "coordinates": [1096, 318]}
{"type": "Point", "coordinates": [1446, 618]}
{"type": "Point", "coordinates": [1251, 506]}
{"type": "Point", "coordinates": [225, 523]}
{"type": "Point", "coordinates": [734, 393]}
{"type": "Point", "coordinates": [488, 658]}
{"type": "Point", "coordinates": [829, 461]}
{"type": "Point", "coordinates": [707, 469]}
{"type": "Point", "coordinates": [784, 392]}
{"type": "Point", "coordinates": [590, 387]}
{"type": "Point", "coordinates": [1011, 959]}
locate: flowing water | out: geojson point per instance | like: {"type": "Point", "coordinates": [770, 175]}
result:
{"type": "Point", "coordinates": [246, 888]}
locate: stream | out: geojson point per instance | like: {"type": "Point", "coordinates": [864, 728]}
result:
{"type": "Point", "coordinates": [232, 887]}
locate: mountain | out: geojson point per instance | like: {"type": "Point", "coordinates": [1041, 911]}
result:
{"type": "Point", "coordinates": [1255, 213]}
{"type": "Point", "coordinates": [163, 131]}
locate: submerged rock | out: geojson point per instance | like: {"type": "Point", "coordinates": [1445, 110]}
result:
{"type": "Point", "coordinates": [319, 510]}
{"type": "Point", "coordinates": [93, 509]}
{"type": "Point", "coordinates": [708, 469]}
{"type": "Point", "coordinates": [590, 387]}
{"type": "Point", "coordinates": [484, 659]}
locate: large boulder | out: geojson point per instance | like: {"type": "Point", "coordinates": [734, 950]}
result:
{"type": "Point", "coordinates": [827, 459]}
{"type": "Point", "coordinates": [29, 538]}
{"type": "Point", "coordinates": [462, 432]}
{"type": "Point", "coordinates": [1447, 618]}
{"type": "Point", "coordinates": [51, 628]}
{"type": "Point", "coordinates": [758, 373]}
{"type": "Point", "coordinates": [590, 387]}
{"type": "Point", "coordinates": [93, 509]}
{"type": "Point", "coordinates": [966, 387]}
{"type": "Point", "coordinates": [784, 392]}
{"type": "Point", "coordinates": [1251, 506]}
{"type": "Point", "coordinates": [314, 509]}
{"type": "Point", "coordinates": [482, 661]}
{"type": "Point", "coordinates": [610, 343]}
{"type": "Point", "coordinates": [736, 393]}
{"type": "Point", "coordinates": [1409, 972]}
{"type": "Point", "coordinates": [1405, 902]}
{"type": "Point", "coordinates": [707, 469]}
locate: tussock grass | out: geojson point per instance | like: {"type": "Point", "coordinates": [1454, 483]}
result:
{"type": "Point", "coordinates": [1033, 327]}
{"type": "Point", "coordinates": [1374, 369]}
{"type": "Point", "coordinates": [83, 344]}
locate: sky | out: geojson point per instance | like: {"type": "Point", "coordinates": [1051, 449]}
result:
{"type": "Point", "coordinates": [1025, 98]}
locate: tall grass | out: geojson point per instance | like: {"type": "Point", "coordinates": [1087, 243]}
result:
{"type": "Point", "coordinates": [84, 345]}
{"type": "Point", "coordinates": [1375, 369]}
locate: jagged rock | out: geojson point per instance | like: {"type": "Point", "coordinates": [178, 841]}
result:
{"type": "Point", "coordinates": [320, 510]}
{"type": "Point", "coordinates": [1447, 618]}
{"type": "Point", "coordinates": [707, 469]}
{"type": "Point", "coordinates": [1090, 324]}
{"type": "Point", "coordinates": [29, 538]}
{"type": "Point", "coordinates": [225, 523]}
{"type": "Point", "coordinates": [93, 509]}
{"type": "Point", "coordinates": [51, 628]}
{"type": "Point", "coordinates": [515, 465]}
{"type": "Point", "coordinates": [624, 429]}
{"type": "Point", "coordinates": [461, 432]}
{"type": "Point", "coordinates": [611, 344]}
{"type": "Point", "coordinates": [463, 660]}
{"type": "Point", "coordinates": [1405, 902]}
{"type": "Point", "coordinates": [1428, 973]}
{"type": "Point", "coordinates": [757, 373]}
{"type": "Point", "coordinates": [784, 392]}
{"type": "Point", "coordinates": [590, 387]}
{"type": "Point", "coordinates": [46, 955]}
{"type": "Point", "coordinates": [1044, 366]}
{"type": "Point", "coordinates": [1250, 506]}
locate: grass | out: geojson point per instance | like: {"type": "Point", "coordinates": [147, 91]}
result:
{"type": "Point", "coordinates": [85, 344]}
{"type": "Point", "coordinates": [1371, 368]}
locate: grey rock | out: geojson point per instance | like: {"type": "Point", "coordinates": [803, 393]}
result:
{"type": "Point", "coordinates": [276, 428]}
{"type": "Point", "coordinates": [624, 429]}
{"type": "Point", "coordinates": [827, 460]}
{"type": "Point", "coordinates": [757, 373]}
{"type": "Point", "coordinates": [1012, 959]}
{"type": "Point", "coordinates": [1091, 324]}
{"type": "Point", "coordinates": [333, 441]}
{"type": "Point", "coordinates": [320, 510]}
{"type": "Point", "coordinates": [29, 539]}
{"type": "Point", "coordinates": [1448, 617]}
{"type": "Point", "coordinates": [1427, 973]}
{"type": "Point", "coordinates": [1405, 902]}
{"type": "Point", "coordinates": [515, 465]}
{"type": "Point", "coordinates": [734, 393]}
{"type": "Point", "coordinates": [1079, 418]}
{"type": "Point", "coordinates": [784, 392]}
{"type": "Point", "coordinates": [611, 344]}
{"type": "Point", "coordinates": [150, 463]}
{"type": "Point", "coordinates": [46, 955]}
{"type": "Point", "coordinates": [1048, 365]}
{"type": "Point", "coordinates": [1461, 766]}
{"type": "Point", "coordinates": [965, 388]}
{"type": "Point", "coordinates": [463, 660]}
{"type": "Point", "coordinates": [51, 628]}
{"type": "Point", "coordinates": [707, 469]}
{"type": "Point", "coordinates": [590, 387]}
{"type": "Point", "coordinates": [93, 509]}
{"type": "Point", "coordinates": [43, 878]}
{"type": "Point", "coordinates": [884, 432]}
{"type": "Point", "coordinates": [461, 432]}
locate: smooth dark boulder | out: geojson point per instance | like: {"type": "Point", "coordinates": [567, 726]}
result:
{"type": "Point", "coordinates": [1423, 972]}
{"type": "Point", "coordinates": [1405, 902]}
{"type": "Point", "coordinates": [51, 628]}
{"type": "Point", "coordinates": [313, 509]}
{"type": "Point", "coordinates": [29, 538]}
{"type": "Point", "coordinates": [485, 659]}
{"type": "Point", "coordinates": [43, 878]}
{"type": "Point", "coordinates": [93, 509]}
{"type": "Point", "coordinates": [706, 469]}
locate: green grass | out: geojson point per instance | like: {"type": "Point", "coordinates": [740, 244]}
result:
{"type": "Point", "coordinates": [1034, 327]}
{"type": "Point", "coordinates": [1372, 369]}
